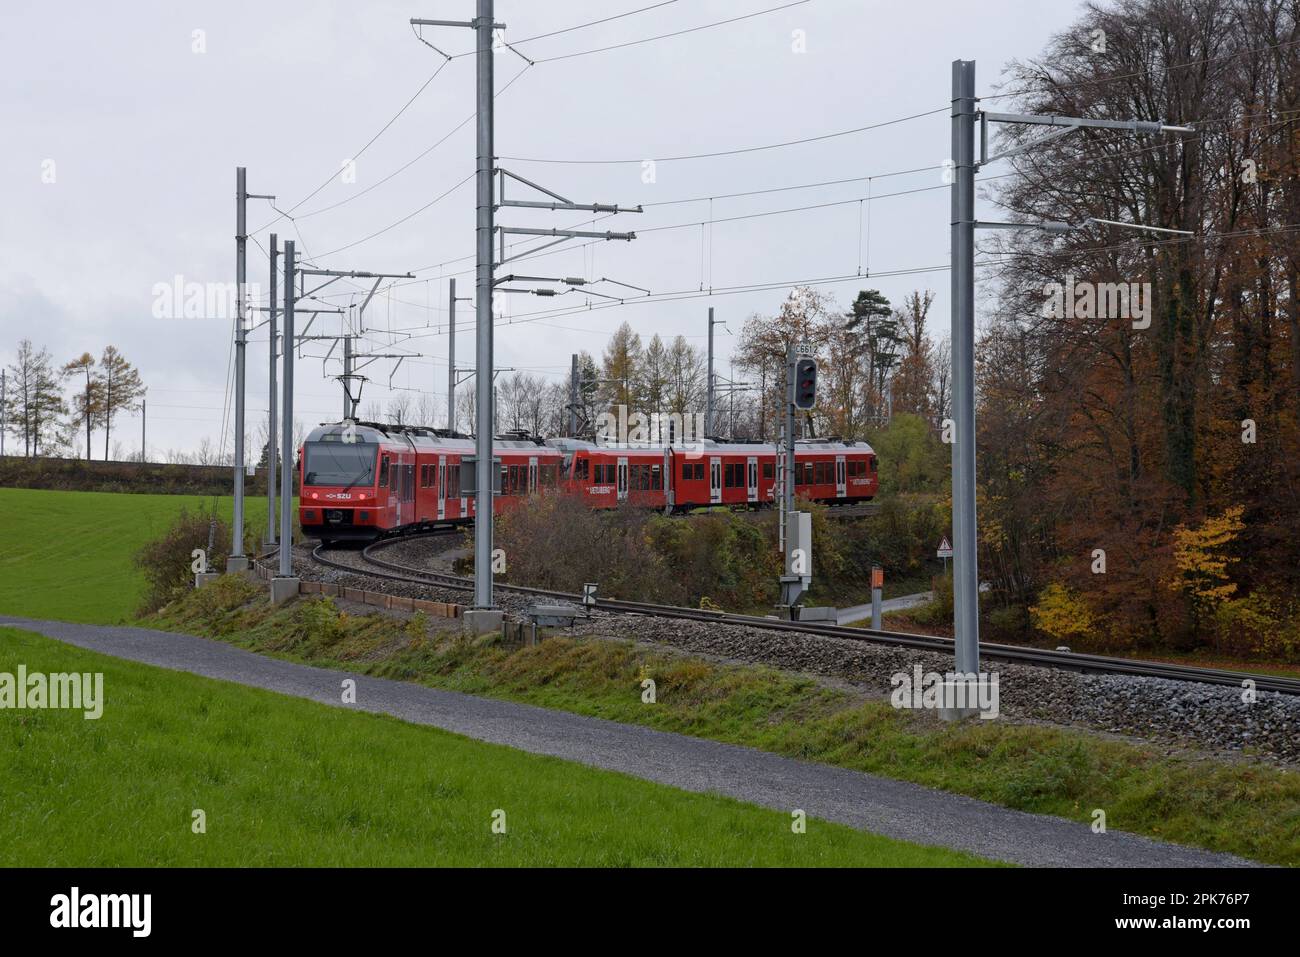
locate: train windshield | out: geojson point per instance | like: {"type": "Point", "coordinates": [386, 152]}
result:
{"type": "Point", "coordinates": [339, 463]}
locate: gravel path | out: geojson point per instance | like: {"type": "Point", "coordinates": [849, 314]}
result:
{"type": "Point", "coordinates": [880, 805]}
{"type": "Point", "coordinates": [848, 616]}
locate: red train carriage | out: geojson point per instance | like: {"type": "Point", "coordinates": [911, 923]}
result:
{"type": "Point", "coordinates": [354, 482]}
{"type": "Point", "coordinates": [835, 472]}
{"type": "Point", "coordinates": [366, 481]}
{"type": "Point", "coordinates": [680, 478]}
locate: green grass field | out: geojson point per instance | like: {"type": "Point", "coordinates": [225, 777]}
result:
{"type": "Point", "coordinates": [67, 555]}
{"type": "Point", "coordinates": [289, 782]}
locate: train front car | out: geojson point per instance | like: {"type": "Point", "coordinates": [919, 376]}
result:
{"type": "Point", "coordinates": [352, 482]}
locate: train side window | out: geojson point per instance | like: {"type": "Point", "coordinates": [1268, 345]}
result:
{"type": "Point", "coordinates": [768, 470]}
{"type": "Point", "coordinates": [580, 470]}
{"type": "Point", "coordinates": [656, 483]}
{"type": "Point", "coordinates": [383, 472]}
{"type": "Point", "coordinates": [453, 481]}
{"type": "Point", "coordinates": [687, 471]}
{"type": "Point", "coordinates": [699, 471]}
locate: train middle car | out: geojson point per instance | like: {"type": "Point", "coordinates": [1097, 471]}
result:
{"type": "Point", "coordinates": [367, 480]}
{"type": "Point", "coordinates": [362, 481]}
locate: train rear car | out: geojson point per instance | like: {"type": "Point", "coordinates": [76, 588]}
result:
{"type": "Point", "coordinates": [835, 472]}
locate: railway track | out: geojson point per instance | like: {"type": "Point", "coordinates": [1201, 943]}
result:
{"type": "Point", "coordinates": [1039, 657]}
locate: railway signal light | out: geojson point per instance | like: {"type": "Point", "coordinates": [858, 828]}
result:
{"type": "Point", "coordinates": [805, 383]}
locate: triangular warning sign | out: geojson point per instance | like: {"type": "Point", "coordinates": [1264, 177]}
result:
{"type": "Point", "coordinates": [944, 546]}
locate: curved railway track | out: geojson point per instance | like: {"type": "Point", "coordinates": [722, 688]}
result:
{"type": "Point", "coordinates": [1040, 657]}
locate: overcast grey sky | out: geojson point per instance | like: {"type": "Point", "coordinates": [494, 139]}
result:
{"type": "Point", "coordinates": [145, 134]}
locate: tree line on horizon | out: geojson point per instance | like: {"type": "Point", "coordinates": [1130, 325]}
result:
{"type": "Point", "coordinates": [48, 406]}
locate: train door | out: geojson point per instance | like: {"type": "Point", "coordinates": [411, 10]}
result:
{"type": "Point", "coordinates": [670, 481]}
{"type": "Point", "coordinates": [841, 487]}
{"type": "Point", "coordinates": [532, 474]}
{"type": "Point", "coordinates": [397, 476]}
{"type": "Point", "coordinates": [385, 495]}
{"type": "Point", "coordinates": [622, 479]}
{"type": "Point", "coordinates": [442, 487]}
{"type": "Point", "coordinates": [751, 468]}
{"type": "Point", "coordinates": [715, 481]}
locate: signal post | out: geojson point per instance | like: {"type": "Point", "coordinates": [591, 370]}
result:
{"type": "Point", "coordinates": [801, 396]}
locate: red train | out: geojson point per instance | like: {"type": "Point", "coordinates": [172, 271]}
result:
{"type": "Point", "coordinates": [365, 481]}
